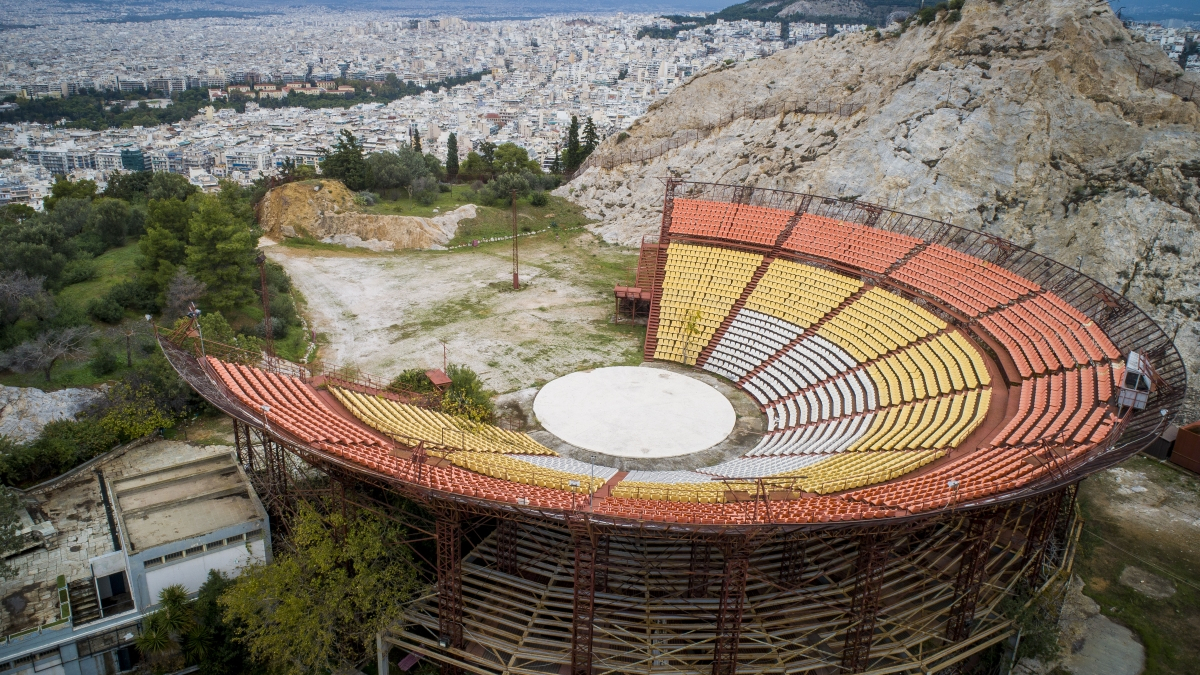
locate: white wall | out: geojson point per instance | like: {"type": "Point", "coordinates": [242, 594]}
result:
{"type": "Point", "coordinates": [192, 571]}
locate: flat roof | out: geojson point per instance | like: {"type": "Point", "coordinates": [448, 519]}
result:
{"type": "Point", "coordinates": [183, 501]}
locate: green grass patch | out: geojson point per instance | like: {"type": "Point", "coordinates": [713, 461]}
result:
{"type": "Point", "coordinates": [1109, 543]}
{"type": "Point", "coordinates": [396, 202]}
{"type": "Point", "coordinates": [112, 267]}
{"type": "Point", "coordinates": [492, 222]}
{"type": "Point", "coordinates": [313, 244]}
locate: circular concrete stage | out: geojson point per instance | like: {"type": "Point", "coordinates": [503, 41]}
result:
{"type": "Point", "coordinates": [627, 411]}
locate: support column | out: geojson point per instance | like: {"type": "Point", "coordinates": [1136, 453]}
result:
{"type": "Point", "coordinates": [584, 604]}
{"type": "Point", "coordinates": [383, 649]}
{"type": "Point", "coordinates": [449, 585]}
{"type": "Point", "coordinates": [729, 615]}
{"type": "Point", "coordinates": [506, 547]}
{"type": "Point", "coordinates": [869, 567]}
{"type": "Point", "coordinates": [698, 569]}
{"type": "Point", "coordinates": [1040, 535]}
{"type": "Point", "coordinates": [791, 562]}
{"type": "Point", "coordinates": [981, 530]}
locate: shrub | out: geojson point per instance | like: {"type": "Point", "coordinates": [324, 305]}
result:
{"type": "Point", "coordinates": [622, 137]}
{"type": "Point", "coordinates": [425, 190]}
{"type": "Point", "coordinates": [104, 361]}
{"type": "Point", "coordinates": [106, 309]}
{"type": "Point", "coordinates": [412, 379]}
{"type": "Point", "coordinates": [466, 396]}
{"type": "Point", "coordinates": [61, 446]}
{"type": "Point", "coordinates": [444, 187]}
{"type": "Point", "coordinates": [136, 296]}
{"type": "Point", "coordinates": [366, 198]}
{"type": "Point", "coordinates": [78, 271]}
{"type": "Point", "coordinates": [537, 198]}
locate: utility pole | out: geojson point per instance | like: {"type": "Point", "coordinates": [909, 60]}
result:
{"type": "Point", "coordinates": [266, 303]}
{"type": "Point", "coordinates": [516, 263]}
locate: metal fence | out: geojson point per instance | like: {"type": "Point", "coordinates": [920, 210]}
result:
{"type": "Point", "coordinates": [1173, 82]}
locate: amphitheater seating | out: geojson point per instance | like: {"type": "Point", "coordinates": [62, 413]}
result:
{"type": "Point", "coordinates": [932, 423]}
{"type": "Point", "coordinates": [700, 285]}
{"type": "Point", "coordinates": [736, 222]}
{"type": "Point", "coordinates": [965, 283]}
{"type": "Point", "coordinates": [1041, 337]}
{"type": "Point", "coordinates": [1062, 407]}
{"type": "Point", "coordinates": [877, 323]}
{"type": "Point", "coordinates": [854, 245]}
{"type": "Point", "coordinates": [293, 406]}
{"type": "Point", "coordinates": [817, 509]}
{"type": "Point", "coordinates": [751, 339]}
{"type": "Point", "coordinates": [852, 394]}
{"type": "Point", "coordinates": [757, 467]}
{"type": "Point", "coordinates": [411, 423]}
{"type": "Point", "coordinates": [824, 438]}
{"type": "Point", "coordinates": [799, 294]}
{"type": "Point", "coordinates": [506, 467]}
{"type": "Point", "coordinates": [851, 470]}
{"type": "Point", "coordinates": [695, 487]}
{"type": "Point", "coordinates": [938, 366]}
{"type": "Point", "coordinates": [797, 368]}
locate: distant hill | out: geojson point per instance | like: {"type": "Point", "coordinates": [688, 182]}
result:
{"type": "Point", "coordinates": [816, 11]}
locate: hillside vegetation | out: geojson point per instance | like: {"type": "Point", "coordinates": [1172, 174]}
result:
{"type": "Point", "coordinates": [1021, 119]}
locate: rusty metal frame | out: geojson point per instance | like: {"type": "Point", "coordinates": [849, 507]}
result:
{"type": "Point", "coordinates": [584, 538]}
{"type": "Point", "coordinates": [449, 583]}
{"type": "Point", "coordinates": [981, 530]}
{"type": "Point", "coordinates": [869, 564]}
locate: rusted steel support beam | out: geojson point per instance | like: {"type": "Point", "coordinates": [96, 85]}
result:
{"type": "Point", "coordinates": [981, 530]}
{"type": "Point", "coordinates": [698, 569]}
{"type": "Point", "coordinates": [449, 584]}
{"type": "Point", "coordinates": [792, 560]}
{"type": "Point", "coordinates": [1041, 533]}
{"type": "Point", "coordinates": [869, 567]}
{"type": "Point", "coordinates": [584, 602]}
{"type": "Point", "coordinates": [729, 614]}
{"type": "Point", "coordinates": [506, 547]}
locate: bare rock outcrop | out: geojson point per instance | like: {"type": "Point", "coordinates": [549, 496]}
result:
{"type": "Point", "coordinates": [402, 232]}
{"type": "Point", "coordinates": [24, 411]}
{"type": "Point", "coordinates": [1023, 119]}
{"type": "Point", "coordinates": [326, 210]}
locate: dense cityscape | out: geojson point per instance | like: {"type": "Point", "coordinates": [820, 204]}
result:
{"type": "Point", "coordinates": [486, 82]}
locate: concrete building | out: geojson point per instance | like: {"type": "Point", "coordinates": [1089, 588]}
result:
{"type": "Point", "coordinates": [117, 531]}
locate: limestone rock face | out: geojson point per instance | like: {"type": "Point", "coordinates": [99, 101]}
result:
{"type": "Point", "coordinates": [294, 207]}
{"type": "Point", "coordinates": [25, 410]}
{"type": "Point", "coordinates": [402, 232]}
{"type": "Point", "coordinates": [1023, 119]}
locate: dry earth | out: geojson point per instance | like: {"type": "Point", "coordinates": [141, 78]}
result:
{"type": "Point", "coordinates": [388, 312]}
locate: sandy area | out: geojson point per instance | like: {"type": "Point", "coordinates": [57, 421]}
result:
{"type": "Point", "coordinates": [387, 312]}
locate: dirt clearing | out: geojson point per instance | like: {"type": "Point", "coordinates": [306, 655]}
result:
{"type": "Point", "coordinates": [385, 312]}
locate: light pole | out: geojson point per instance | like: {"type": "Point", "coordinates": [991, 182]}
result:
{"type": "Point", "coordinates": [516, 259]}
{"type": "Point", "coordinates": [194, 314]}
{"type": "Point", "coordinates": [268, 329]}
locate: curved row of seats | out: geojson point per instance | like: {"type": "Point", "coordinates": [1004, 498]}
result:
{"type": "Point", "coordinates": [804, 364]}
{"type": "Point", "coordinates": [1063, 407]}
{"type": "Point", "coordinates": [968, 284]}
{"type": "Point", "coordinates": [852, 394]}
{"type": "Point", "coordinates": [799, 294]}
{"type": "Point", "coordinates": [511, 468]}
{"type": "Point", "coordinates": [849, 243]}
{"type": "Point", "coordinates": [737, 222]}
{"type": "Point", "coordinates": [412, 423]}
{"type": "Point", "coordinates": [879, 322]}
{"type": "Point", "coordinates": [1041, 337]}
{"type": "Point", "coordinates": [829, 437]}
{"type": "Point", "coordinates": [700, 286]}
{"type": "Point", "coordinates": [935, 367]}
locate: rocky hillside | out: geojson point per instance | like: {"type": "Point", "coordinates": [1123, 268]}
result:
{"type": "Point", "coordinates": [1023, 119]}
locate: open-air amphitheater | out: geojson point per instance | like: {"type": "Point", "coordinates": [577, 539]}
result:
{"type": "Point", "coordinates": [931, 397]}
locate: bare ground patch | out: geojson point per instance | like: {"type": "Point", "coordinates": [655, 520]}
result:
{"type": "Point", "coordinates": [387, 312]}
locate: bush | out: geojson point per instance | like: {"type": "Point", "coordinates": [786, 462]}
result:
{"type": "Point", "coordinates": [135, 296]}
{"type": "Point", "coordinates": [444, 187]}
{"type": "Point", "coordinates": [412, 379]}
{"type": "Point", "coordinates": [622, 137]}
{"type": "Point", "coordinates": [62, 446]}
{"type": "Point", "coordinates": [366, 198]}
{"type": "Point", "coordinates": [466, 396]}
{"type": "Point", "coordinates": [79, 271]}
{"type": "Point", "coordinates": [104, 361]}
{"type": "Point", "coordinates": [537, 198]}
{"type": "Point", "coordinates": [106, 309]}
{"type": "Point", "coordinates": [425, 190]}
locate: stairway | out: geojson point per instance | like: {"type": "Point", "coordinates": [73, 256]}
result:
{"type": "Point", "coordinates": [702, 358]}
{"type": "Point", "coordinates": [660, 269]}
{"type": "Point", "coordinates": [85, 604]}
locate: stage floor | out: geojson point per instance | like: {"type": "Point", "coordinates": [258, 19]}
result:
{"type": "Point", "coordinates": [628, 411]}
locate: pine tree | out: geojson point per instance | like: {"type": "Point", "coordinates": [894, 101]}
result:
{"type": "Point", "coordinates": [416, 144]}
{"type": "Point", "coordinates": [590, 138]}
{"type": "Point", "coordinates": [452, 156]}
{"type": "Point", "coordinates": [572, 157]}
{"type": "Point", "coordinates": [220, 253]}
{"type": "Point", "coordinates": [346, 163]}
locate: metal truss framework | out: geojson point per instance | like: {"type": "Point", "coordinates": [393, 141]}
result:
{"type": "Point", "coordinates": [902, 599]}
